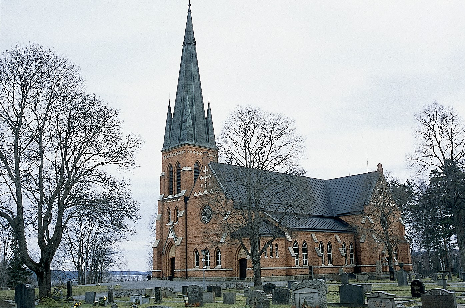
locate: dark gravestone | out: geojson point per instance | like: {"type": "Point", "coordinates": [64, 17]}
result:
{"type": "Point", "coordinates": [157, 295]}
{"type": "Point", "coordinates": [281, 296]}
{"type": "Point", "coordinates": [438, 298]}
{"type": "Point", "coordinates": [268, 288]}
{"type": "Point", "coordinates": [214, 289]}
{"type": "Point", "coordinates": [89, 298]}
{"type": "Point", "coordinates": [352, 295]}
{"type": "Point", "coordinates": [381, 299]}
{"type": "Point", "coordinates": [229, 298]}
{"type": "Point", "coordinates": [24, 296]}
{"type": "Point", "coordinates": [184, 290]}
{"type": "Point", "coordinates": [258, 299]}
{"type": "Point", "coordinates": [69, 290]}
{"type": "Point", "coordinates": [111, 298]}
{"type": "Point", "coordinates": [402, 278]}
{"type": "Point", "coordinates": [195, 296]}
{"type": "Point", "coordinates": [417, 288]}
{"type": "Point", "coordinates": [344, 278]}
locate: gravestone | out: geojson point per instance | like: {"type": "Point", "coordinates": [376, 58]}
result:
{"type": "Point", "coordinates": [311, 293]}
{"type": "Point", "coordinates": [438, 298]}
{"type": "Point", "coordinates": [291, 283]}
{"type": "Point", "coordinates": [229, 298]}
{"type": "Point", "coordinates": [344, 278]}
{"type": "Point", "coordinates": [144, 300]}
{"type": "Point", "coordinates": [214, 289]}
{"type": "Point", "coordinates": [195, 295]}
{"type": "Point", "coordinates": [157, 295]}
{"type": "Point", "coordinates": [268, 288]}
{"type": "Point", "coordinates": [111, 297]}
{"type": "Point", "coordinates": [184, 290]}
{"type": "Point", "coordinates": [281, 296]}
{"type": "Point", "coordinates": [69, 290]}
{"type": "Point", "coordinates": [352, 294]}
{"type": "Point", "coordinates": [417, 288]}
{"type": "Point", "coordinates": [381, 299]}
{"type": "Point", "coordinates": [258, 299]}
{"type": "Point", "coordinates": [208, 297]}
{"type": "Point", "coordinates": [89, 298]}
{"type": "Point", "coordinates": [379, 269]}
{"type": "Point", "coordinates": [24, 296]}
{"type": "Point", "coordinates": [148, 292]}
{"type": "Point", "coordinates": [362, 277]}
{"type": "Point", "coordinates": [402, 278]}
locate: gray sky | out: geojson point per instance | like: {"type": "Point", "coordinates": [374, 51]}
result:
{"type": "Point", "coordinates": [351, 73]}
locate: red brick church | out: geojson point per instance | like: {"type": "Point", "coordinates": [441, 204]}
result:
{"type": "Point", "coordinates": [331, 226]}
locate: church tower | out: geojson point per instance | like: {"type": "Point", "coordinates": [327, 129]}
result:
{"type": "Point", "coordinates": [189, 145]}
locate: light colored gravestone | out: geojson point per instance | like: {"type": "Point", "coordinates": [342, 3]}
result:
{"type": "Point", "coordinates": [208, 297]}
{"type": "Point", "coordinates": [148, 292]}
{"type": "Point", "coordinates": [281, 296]}
{"type": "Point", "coordinates": [24, 296]}
{"type": "Point", "coordinates": [438, 298]}
{"type": "Point", "coordinates": [144, 300]}
{"type": "Point", "coordinates": [195, 295]}
{"type": "Point", "coordinates": [89, 298]}
{"type": "Point", "coordinates": [311, 293]}
{"type": "Point", "coordinates": [380, 299]}
{"type": "Point", "coordinates": [352, 294]}
{"type": "Point", "coordinates": [229, 298]}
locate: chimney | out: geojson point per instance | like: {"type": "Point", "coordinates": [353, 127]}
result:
{"type": "Point", "coordinates": [380, 168]}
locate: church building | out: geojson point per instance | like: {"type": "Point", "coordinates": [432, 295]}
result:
{"type": "Point", "coordinates": [318, 226]}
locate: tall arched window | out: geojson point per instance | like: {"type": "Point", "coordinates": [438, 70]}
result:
{"type": "Point", "coordinates": [276, 250]}
{"type": "Point", "coordinates": [295, 248]}
{"type": "Point", "coordinates": [178, 178]}
{"type": "Point", "coordinates": [271, 251]}
{"type": "Point", "coordinates": [196, 258]}
{"type": "Point", "coordinates": [218, 257]}
{"type": "Point", "coordinates": [168, 218]}
{"type": "Point", "coordinates": [304, 253]}
{"type": "Point", "coordinates": [176, 214]}
{"type": "Point", "coordinates": [344, 252]}
{"type": "Point", "coordinates": [170, 180]}
{"type": "Point", "coordinates": [321, 247]}
{"type": "Point", "coordinates": [351, 254]}
{"type": "Point", "coordinates": [330, 253]}
{"type": "Point", "coordinates": [207, 258]}
{"type": "Point", "coordinates": [196, 171]}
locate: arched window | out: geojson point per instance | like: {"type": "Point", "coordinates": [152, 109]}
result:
{"type": "Point", "coordinates": [344, 252]}
{"type": "Point", "coordinates": [196, 171]}
{"type": "Point", "coordinates": [351, 254]}
{"type": "Point", "coordinates": [196, 258]}
{"type": "Point", "coordinates": [304, 253]}
{"type": "Point", "coordinates": [168, 218]}
{"type": "Point", "coordinates": [170, 180]}
{"type": "Point", "coordinates": [178, 178]}
{"type": "Point", "coordinates": [176, 214]}
{"type": "Point", "coordinates": [295, 248]}
{"type": "Point", "coordinates": [271, 250]}
{"type": "Point", "coordinates": [330, 253]}
{"type": "Point", "coordinates": [207, 258]}
{"type": "Point", "coordinates": [321, 247]}
{"type": "Point", "coordinates": [218, 257]}
{"type": "Point", "coordinates": [276, 250]}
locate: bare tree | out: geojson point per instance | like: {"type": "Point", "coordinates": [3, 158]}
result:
{"type": "Point", "coordinates": [261, 142]}
{"type": "Point", "coordinates": [56, 142]}
{"type": "Point", "coordinates": [440, 154]}
{"type": "Point", "coordinates": [257, 139]}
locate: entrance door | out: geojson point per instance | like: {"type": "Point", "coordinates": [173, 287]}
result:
{"type": "Point", "coordinates": [242, 268]}
{"type": "Point", "coordinates": [172, 263]}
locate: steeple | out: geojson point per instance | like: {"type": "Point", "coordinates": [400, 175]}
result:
{"type": "Point", "coordinates": [188, 123]}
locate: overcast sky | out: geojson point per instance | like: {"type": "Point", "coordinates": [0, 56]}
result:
{"type": "Point", "coordinates": [351, 73]}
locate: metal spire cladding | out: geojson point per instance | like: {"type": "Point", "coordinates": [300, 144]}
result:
{"type": "Point", "coordinates": [188, 123]}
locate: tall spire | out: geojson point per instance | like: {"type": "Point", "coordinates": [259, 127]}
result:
{"type": "Point", "coordinates": [189, 125]}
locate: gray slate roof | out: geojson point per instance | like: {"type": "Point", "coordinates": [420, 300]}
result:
{"type": "Point", "coordinates": [188, 123]}
{"type": "Point", "coordinates": [298, 202]}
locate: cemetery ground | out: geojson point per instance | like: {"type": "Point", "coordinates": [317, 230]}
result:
{"type": "Point", "coordinates": [175, 299]}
